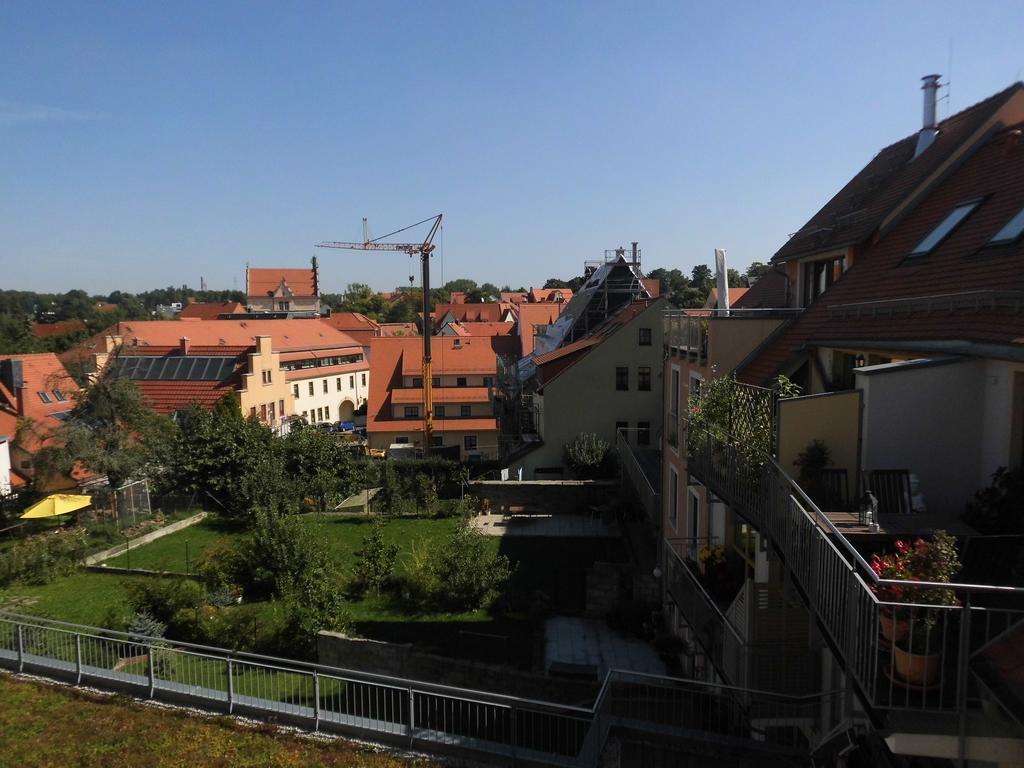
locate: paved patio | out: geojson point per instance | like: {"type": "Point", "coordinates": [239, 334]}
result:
{"type": "Point", "coordinates": [591, 643]}
{"type": "Point", "coordinates": [575, 526]}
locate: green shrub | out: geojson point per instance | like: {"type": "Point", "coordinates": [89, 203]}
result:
{"type": "Point", "coordinates": [375, 562]}
{"type": "Point", "coordinates": [144, 624]}
{"type": "Point", "coordinates": [306, 610]}
{"type": "Point", "coordinates": [464, 573]}
{"type": "Point", "coordinates": [43, 558]}
{"type": "Point", "coordinates": [163, 598]}
{"type": "Point", "coordinates": [220, 566]}
{"type": "Point", "coordinates": [587, 456]}
{"type": "Point", "coordinates": [282, 550]}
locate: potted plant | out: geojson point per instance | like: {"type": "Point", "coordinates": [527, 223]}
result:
{"type": "Point", "coordinates": [916, 648]}
{"type": "Point", "coordinates": [892, 619]}
{"type": "Point", "coordinates": [814, 458]}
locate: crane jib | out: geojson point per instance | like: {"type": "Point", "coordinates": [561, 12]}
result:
{"type": "Point", "coordinates": [424, 250]}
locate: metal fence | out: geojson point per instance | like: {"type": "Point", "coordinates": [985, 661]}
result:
{"type": "Point", "coordinates": [129, 504]}
{"type": "Point", "coordinates": [839, 588]}
{"type": "Point", "coordinates": [644, 486]}
{"type": "Point", "coordinates": [410, 713]}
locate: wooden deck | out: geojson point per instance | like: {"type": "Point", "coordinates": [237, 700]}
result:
{"type": "Point", "coordinates": [849, 524]}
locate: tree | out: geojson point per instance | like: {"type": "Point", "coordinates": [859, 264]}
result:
{"type": "Point", "coordinates": [465, 572]}
{"type": "Point", "coordinates": [756, 271]}
{"type": "Point", "coordinates": [318, 465]}
{"type": "Point", "coordinates": [402, 311]}
{"type": "Point", "coordinates": [238, 463]}
{"type": "Point", "coordinates": [375, 562]}
{"type": "Point", "coordinates": [461, 284]}
{"type": "Point", "coordinates": [554, 282]}
{"type": "Point", "coordinates": [703, 278]}
{"type": "Point", "coordinates": [735, 279]}
{"type": "Point", "coordinates": [110, 431]}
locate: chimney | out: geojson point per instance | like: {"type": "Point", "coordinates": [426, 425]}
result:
{"type": "Point", "coordinates": [928, 130]}
{"type": "Point", "coordinates": [635, 252]}
{"type": "Point", "coordinates": [723, 278]}
{"type": "Point", "coordinates": [183, 345]}
{"type": "Point", "coordinates": [19, 397]}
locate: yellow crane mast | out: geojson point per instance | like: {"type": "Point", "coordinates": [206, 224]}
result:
{"type": "Point", "coordinates": [423, 250]}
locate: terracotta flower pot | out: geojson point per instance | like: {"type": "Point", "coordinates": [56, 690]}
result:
{"type": "Point", "coordinates": [915, 668]}
{"type": "Point", "coordinates": [893, 629]}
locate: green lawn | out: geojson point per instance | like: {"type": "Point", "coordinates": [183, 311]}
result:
{"type": "Point", "coordinates": [82, 598]}
{"type": "Point", "coordinates": [44, 726]}
{"type": "Point", "coordinates": [554, 567]}
{"type": "Point", "coordinates": [344, 535]}
{"type": "Point", "coordinates": [177, 551]}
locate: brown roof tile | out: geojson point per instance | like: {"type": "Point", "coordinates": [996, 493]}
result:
{"type": "Point", "coordinates": [884, 296]}
{"type": "Point", "coordinates": [265, 281]}
{"type": "Point", "coordinates": [856, 211]}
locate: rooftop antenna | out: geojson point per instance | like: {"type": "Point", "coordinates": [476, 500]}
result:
{"type": "Point", "coordinates": [949, 81]}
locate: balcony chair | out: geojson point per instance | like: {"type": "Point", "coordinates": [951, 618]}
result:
{"type": "Point", "coordinates": [892, 489]}
{"type": "Point", "coordinates": [835, 484]}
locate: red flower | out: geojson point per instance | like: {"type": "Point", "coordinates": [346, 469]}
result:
{"type": "Point", "coordinates": [901, 547]}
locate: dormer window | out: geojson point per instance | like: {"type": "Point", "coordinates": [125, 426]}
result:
{"type": "Point", "coordinates": [945, 228]}
{"type": "Point", "coordinates": [820, 275]}
{"type": "Point", "coordinates": [1011, 231]}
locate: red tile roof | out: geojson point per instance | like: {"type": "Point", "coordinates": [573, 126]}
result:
{"type": "Point", "coordinates": [483, 329]}
{"type": "Point", "coordinates": [551, 364]}
{"type": "Point", "coordinates": [41, 372]}
{"type": "Point", "coordinates": [537, 295]}
{"type": "Point", "coordinates": [198, 311]}
{"type": "Point", "coordinates": [350, 321]}
{"type": "Point", "coordinates": [287, 335]}
{"type": "Point", "coordinates": [265, 281]}
{"type": "Point", "coordinates": [855, 212]}
{"type": "Point", "coordinates": [513, 297]}
{"type": "Point", "coordinates": [46, 330]}
{"type": "Point", "coordinates": [359, 327]}
{"type": "Point", "coordinates": [883, 296]}
{"type": "Point", "coordinates": [531, 315]}
{"type": "Point", "coordinates": [391, 358]}
{"type": "Point", "coordinates": [171, 396]}
{"type": "Point", "coordinates": [735, 294]}
{"type": "Point", "coordinates": [770, 292]}
{"type": "Point", "coordinates": [491, 312]}
{"type": "Point", "coordinates": [399, 329]}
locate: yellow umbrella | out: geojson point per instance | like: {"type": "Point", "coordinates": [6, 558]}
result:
{"type": "Point", "coordinates": [57, 504]}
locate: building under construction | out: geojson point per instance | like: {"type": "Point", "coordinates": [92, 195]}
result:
{"type": "Point", "coordinates": [609, 286]}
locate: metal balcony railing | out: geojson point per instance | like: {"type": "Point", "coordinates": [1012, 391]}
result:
{"type": "Point", "coordinates": [721, 641]}
{"type": "Point", "coordinates": [686, 336]}
{"type": "Point", "coordinates": [416, 714]}
{"type": "Point", "coordinates": [839, 588]}
{"type": "Point", "coordinates": [649, 496]}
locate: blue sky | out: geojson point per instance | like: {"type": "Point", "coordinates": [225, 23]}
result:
{"type": "Point", "coordinates": [147, 144]}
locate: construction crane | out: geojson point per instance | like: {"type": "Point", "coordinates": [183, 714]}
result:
{"type": "Point", "coordinates": [423, 250]}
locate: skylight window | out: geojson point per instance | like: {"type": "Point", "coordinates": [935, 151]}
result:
{"type": "Point", "coordinates": [59, 395]}
{"type": "Point", "coordinates": [945, 228]}
{"type": "Point", "coordinates": [1011, 231]}
{"type": "Point", "coordinates": [44, 397]}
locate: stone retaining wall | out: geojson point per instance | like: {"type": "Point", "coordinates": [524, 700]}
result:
{"type": "Point", "coordinates": [401, 660]}
{"type": "Point", "coordinates": [551, 496]}
{"type": "Point", "coordinates": [159, 533]}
